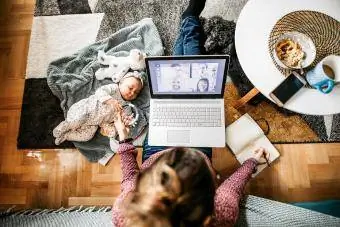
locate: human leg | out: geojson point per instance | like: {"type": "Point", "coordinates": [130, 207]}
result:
{"type": "Point", "coordinates": [150, 150]}
{"type": "Point", "coordinates": [194, 8]}
{"type": "Point", "coordinates": [178, 47]}
{"type": "Point", "coordinates": [190, 38]}
{"type": "Point", "coordinates": [81, 134]}
{"type": "Point", "coordinates": [189, 42]}
{"type": "Point", "coordinates": [76, 117]}
{"type": "Point", "coordinates": [66, 126]}
{"type": "Point", "coordinates": [206, 150]}
{"type": "Point", "coordinates": [60, 129]}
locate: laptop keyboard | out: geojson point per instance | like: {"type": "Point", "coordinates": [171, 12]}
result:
{"type": "Point", "coordinates": [186, 116]}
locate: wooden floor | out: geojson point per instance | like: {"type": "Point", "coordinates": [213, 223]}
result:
{"type": "Point", "coordinates": [55, 178]}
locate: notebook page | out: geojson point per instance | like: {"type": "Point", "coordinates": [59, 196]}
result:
{"type": "Point", "coordinates": [248, 152]}
{"type": "Point", "coordinates": [241, 133]}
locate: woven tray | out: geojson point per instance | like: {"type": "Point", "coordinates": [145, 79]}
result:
{"type": "Point", "coordinates": [321, 28]}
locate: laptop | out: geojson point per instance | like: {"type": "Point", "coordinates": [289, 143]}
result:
{"type": "Point", "coordinates": [187, 105]}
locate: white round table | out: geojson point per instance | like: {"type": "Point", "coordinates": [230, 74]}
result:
{"type": "Point", "coordinates": [253, 28]}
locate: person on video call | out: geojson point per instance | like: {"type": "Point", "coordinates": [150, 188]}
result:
{"type": "Point", "coordinates": [204, 72]}
{"type": "Point", "coordinates": [203, 85]}
{"type": "Point", "coordinates": [177, 186]}
{"type": "Point", "coordinates": [178, 76]}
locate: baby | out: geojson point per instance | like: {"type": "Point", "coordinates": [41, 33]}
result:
{"type": "Point", "coordinates": [85, 116]}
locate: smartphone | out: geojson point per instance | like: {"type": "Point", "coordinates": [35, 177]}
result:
{"type": "Point", "coordinates": [288, 88]}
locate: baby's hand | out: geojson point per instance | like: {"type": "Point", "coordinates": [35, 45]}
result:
{"type": "Point", "coordinates": [114, 104]}
{"type": "Point", "coordinates": [127, 119]}
{"type": "Point", "coordinates": [108, 130]}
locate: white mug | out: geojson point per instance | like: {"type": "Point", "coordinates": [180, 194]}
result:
{"type": "Point", "coordinates": [325, 74]}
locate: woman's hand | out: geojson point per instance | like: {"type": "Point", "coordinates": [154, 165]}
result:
{"type": "Point", "coordinates": [114, 104]}
{"type": "Point", "coordinates": [121, 124]}
{"type": "Point", "coordinates": [260, 153]}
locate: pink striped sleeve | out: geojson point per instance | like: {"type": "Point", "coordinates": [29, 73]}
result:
{"type": "Point", "coordinates": [230, 192]}
{"type": "Point", "coordinates": [129, 166]}
{"type": "Point", "coordinates": [130, 171]}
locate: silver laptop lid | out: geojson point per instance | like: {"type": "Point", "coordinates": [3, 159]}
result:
{"type": "Point", "coordinates": [183, 77]}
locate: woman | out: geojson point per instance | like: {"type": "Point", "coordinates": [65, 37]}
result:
{"type": "Point", "coordinates": [203, 85]}
{"type": "Point", "coordinates": [177, 186]}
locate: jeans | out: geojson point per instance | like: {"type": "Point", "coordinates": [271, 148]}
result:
{"type": "Point", "coordinates": [189, 42]}
{"type": "Point", "coordinates": [150, 150]}
{"type": "Point", "coordinates": [190, 38]}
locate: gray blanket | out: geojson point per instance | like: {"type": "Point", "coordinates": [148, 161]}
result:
{"type": "Point", "coordinates": [71, 78]}
{"type": "Point", "coordinates": [254, 211]}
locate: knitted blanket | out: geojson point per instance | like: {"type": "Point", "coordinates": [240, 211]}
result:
{"type": "Point", "coordinates": [254, 211]}
{"type": "Point", "coordinates": [71, 78]}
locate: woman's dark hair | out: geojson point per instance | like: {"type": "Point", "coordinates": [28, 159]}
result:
{"type": "Point", "coordinates": [206, 82]}
{"type": "Point", "coordinates": [199, 191]}
{"type": "Point", "coordinates": [191, 205]}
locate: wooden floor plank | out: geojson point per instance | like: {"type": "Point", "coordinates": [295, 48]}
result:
{"type": "Point", "coordinates": [91, 201]}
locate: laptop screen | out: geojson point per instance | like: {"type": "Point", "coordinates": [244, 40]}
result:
{"type": "Point", "coordinates": [185, 76]}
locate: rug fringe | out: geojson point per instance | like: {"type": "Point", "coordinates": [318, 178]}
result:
{"type": "Point", "coordinates": [32, 212]}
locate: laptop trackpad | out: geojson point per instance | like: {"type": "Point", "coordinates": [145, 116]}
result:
{"type": "Point", "coordinates": [178, 136]}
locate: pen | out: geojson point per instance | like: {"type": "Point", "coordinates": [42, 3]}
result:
{"type": "Point", "coordinates": [264, 155]}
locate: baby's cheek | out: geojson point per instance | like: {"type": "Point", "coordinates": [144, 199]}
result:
{"type": "Point", "coordinates": [123, 93]}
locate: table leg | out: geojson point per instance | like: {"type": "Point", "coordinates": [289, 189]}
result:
{"type": "Point", "coordinates": [242, 101]}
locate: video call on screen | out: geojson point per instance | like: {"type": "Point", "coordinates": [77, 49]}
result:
{"type": "Point", "coordinates": [187, 76]}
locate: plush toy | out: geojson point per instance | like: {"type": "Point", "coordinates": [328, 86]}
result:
{"type": "Point", "coordinates": [116, 67]}
{"type": "Point", "coordinates": [129, 109]}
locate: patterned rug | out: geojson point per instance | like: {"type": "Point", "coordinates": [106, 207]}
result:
{"type": "Point", "coordinates": [61, 27]}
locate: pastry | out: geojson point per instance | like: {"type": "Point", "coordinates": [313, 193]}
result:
{"type": "Point", "coordinates": [290, 53]}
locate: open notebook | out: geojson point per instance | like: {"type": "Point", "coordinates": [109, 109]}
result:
{"type": "Point", "coordinates": [244, 136]}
